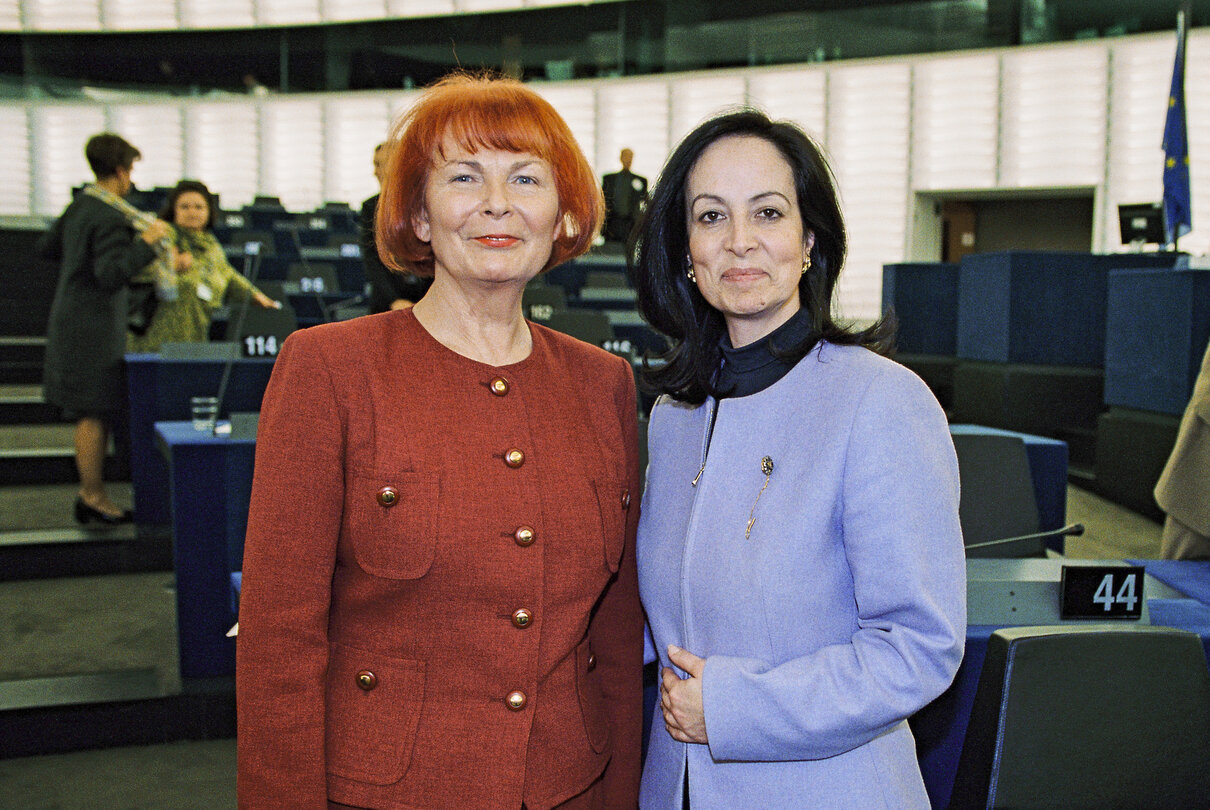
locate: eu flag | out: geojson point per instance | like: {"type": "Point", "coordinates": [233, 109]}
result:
{"type": "Point", "coordinates": [1178, 210]}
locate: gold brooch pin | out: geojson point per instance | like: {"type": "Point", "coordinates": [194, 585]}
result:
{"type": "Point", "coordinates": [766, 466]}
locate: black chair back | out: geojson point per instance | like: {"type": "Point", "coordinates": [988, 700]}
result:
{"type": "Point", "coordinates": [261, 332]}
{"type": "Point", "coordinates": [313, 277]}
{"type": "Point", "coordinates": [1088, 716]}
{"type": "Point", "coordinates": [998, 499]}
{"type": "Point", "coordinates": [540, 301]}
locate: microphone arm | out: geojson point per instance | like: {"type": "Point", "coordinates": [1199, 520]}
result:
{"type": "Point", "coordinates": [302, 259]}
{"type": "Point", "coordinates": [251, 270]}
{"type": "Point", "coordinates": [330, 309]}
{"type": "Point", "coordinates": [1070, 530]}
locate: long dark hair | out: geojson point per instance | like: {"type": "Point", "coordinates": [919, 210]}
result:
{"type": "Point", "coordinates": [672, 305]}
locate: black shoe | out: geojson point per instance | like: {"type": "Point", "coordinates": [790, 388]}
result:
{"type": "Point", "coordinates": [85, 515]}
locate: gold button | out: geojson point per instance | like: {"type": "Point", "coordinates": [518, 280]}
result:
{"type": "Point", "coordinates": [366, 680]}
{"type": "Point", "coordinates": [388, 496]}
{"type": "Point", "coordinates": [592, 661]}
{"type": "Point", "coordinates": [522, 618]}
{"type": "Point", "coordinates": [499, 386]}
{"type": "Point", "coordinates": [515, 700]}
{"type": "Point", "coordinates": [524, 536]}
{"type": "Point", "coordinates": [514, 458]}
{"type": "Point", "coordinates": [626, 499]}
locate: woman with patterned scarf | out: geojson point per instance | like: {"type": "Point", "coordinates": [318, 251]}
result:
{"type": "Point", "coordinates": [204, 276]}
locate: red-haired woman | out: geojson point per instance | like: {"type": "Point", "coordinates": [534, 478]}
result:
{"type": "Point", "coordinates": [440, 604]}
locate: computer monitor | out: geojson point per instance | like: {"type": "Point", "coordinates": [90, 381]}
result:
{"type": "Point", "coordinates": [1141, 223]}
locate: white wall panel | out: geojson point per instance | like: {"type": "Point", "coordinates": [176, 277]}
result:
{"type": "Point", "coordinates": [217, 14]}
{"type": "Point", "coordinates": [633, 114]}
{"type": "Point", "coordinates": [577, 104]}
{"type": "Point", "coordinates": [799, 95]}
{"type": "Point", "coordinates": [485, 5]}
{"type": "Point", "coordinates": [1140, 74]}
{"type": "Point", "coordinates": [698, 97]}
{"type": "Point", "coordinates": [156, 131]}
{"type": "Point", "coordinates": [868, 137]}
{"type": "Point", "coordinates": [292, 151]}
{"type": "Point", "coordinates": [62, 15]}
{"type": "Point", "coordinates": [420, 8]}
{"type": "Point", "coordinates": [58, 133]}
{"type": "Point", "coordinates": [1054, 107]}
{"type": "Point", "coordinates": [222, 147]}
{"type": "Point", "coordinates": [287, 12]}
{"type": "Point", "coordinates": [10, 15]}
{"type": "Point", "coordinates": [1197, 101]}
{"type": "Point", "coordinates": [138, 15]}
{"type": "Point", "coordinates": [168, 15]}
{"type": "Point", "coordinates": [353, 126]}
{"type": "Point", "coordinates": [955, 122]}
{"type": "Point", "coordinates": [399, 103]}
{"type": "Point", "coordinates": [342, 10]}
{"type": "Point", "coordinates": [16, 180]}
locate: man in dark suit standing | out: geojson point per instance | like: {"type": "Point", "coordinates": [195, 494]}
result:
{"type": "Point", "coordinates": [388, 289]}
{"type": "Point", "coordinates": [625, 194]}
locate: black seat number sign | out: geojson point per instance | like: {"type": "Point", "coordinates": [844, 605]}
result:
{"type": "Point", "coordinates": [1101, 592]}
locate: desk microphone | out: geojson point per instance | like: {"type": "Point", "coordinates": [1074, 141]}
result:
{"type": "Point", "coordinates": [251, 270]}
{"type": "Point", "coordinates": [330, 309]}
{"type": "Point", "coordinates": [302, 259]}
{"type": "Point", "coordinates": [1070, 530]}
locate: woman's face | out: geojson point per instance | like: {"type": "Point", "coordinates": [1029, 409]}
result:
{"type": "Point", "coordinates": [746, 238]}
{"type": "Point", "coordinates": [191, 211]}
{"type": "Point", "coordinates": [490, 215]}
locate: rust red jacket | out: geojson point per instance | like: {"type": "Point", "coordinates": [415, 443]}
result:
{"type": "Point", "coordinates": [439, 604]}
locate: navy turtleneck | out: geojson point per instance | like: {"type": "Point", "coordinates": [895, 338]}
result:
{"type": "Point", "coordinates": [753, 368]}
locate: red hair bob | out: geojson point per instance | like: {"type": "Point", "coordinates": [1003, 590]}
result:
{"type": "Point", "coordinates": [481, 112]}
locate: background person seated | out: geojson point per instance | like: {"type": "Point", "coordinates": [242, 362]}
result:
{"type": "Point", "coordinates": [204, 276]}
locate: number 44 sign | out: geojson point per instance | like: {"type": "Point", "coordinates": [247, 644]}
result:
{"type": "Point", "coordinates": [1101, 592]}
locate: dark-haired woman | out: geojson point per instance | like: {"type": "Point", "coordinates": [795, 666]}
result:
{"type": "Point", "coordinates": [204, 276]}
{"type": "Point", "coordinates": [800, 557]}
{"type": "Point", "coordinates": [100, 242]}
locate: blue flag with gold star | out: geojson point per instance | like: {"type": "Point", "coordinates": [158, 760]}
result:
{"type": "Point", "coordinates": [1178, 209]}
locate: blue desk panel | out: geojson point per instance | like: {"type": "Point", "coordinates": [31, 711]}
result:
{"type": "Point", "coordinates": [1190, 577]}
{"type": "Point", "coordinates": [1045, 308]}
{"type": "Point", "coordinates": [925, 298]}
{"type": "Point", "coordinates": [1157, 326]}
{"type": "Point", "coordinates": [211, 483]}
{"type": "Point", "coordinates": [160, 391]}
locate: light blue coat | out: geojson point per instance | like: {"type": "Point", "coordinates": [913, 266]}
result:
{"type": "Point", "coordinates": [841, 615]}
